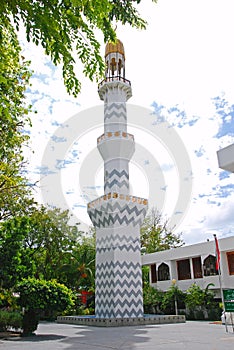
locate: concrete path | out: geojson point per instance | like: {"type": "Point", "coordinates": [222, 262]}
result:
{"type": "Point", "coordinates": [189, 336]}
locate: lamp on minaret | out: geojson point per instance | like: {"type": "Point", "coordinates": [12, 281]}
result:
{"type": "Point", "coordinates": [117, 215]}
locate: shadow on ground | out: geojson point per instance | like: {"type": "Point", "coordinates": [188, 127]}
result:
{"type": "Point", "coordinates": [33, 338]}
{"type": "Point", "coordinates": [99, 338]}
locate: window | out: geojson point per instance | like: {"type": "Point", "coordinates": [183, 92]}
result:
{"type": "Point", "coordinates": [197, 267]}
{"type": "Point", "coordinates": [163, 272]}
{"type": "Point", "coordinates": [153, 273]}
{"type": "Point", "coordinates": [209, 266]}
{"type": "Point", "coordinates": [183, 269]}
{"type": "Point", "coordinates": [230, 259]}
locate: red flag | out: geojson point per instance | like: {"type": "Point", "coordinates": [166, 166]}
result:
{"type": "Point", "coordinates": [217, 253]}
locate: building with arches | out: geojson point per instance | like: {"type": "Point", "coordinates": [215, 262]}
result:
{"type": "Point", "coordinates": [192, 264]}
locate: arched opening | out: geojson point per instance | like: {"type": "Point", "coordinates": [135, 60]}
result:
{"type": "Point", "coordinates": [107, 67]}
{"type": "Point", "coordinates": [113, 66]}
{"type": "Point", "coordinates": [153, 273]}
{"type": "Point", "coordinates": [119, 67]}
{"type": "Point", "coordinates": [209, 266]}
{"type": "Point", "coordinates": [163, 272]}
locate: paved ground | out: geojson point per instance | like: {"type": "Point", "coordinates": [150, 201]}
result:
{"type": "Point", "coordinates": [189, 336]}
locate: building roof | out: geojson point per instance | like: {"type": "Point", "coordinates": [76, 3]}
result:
{"type": "Point", "coordinates": [198, 249]}
{"type": "Point", "coordinates": [226, 158]}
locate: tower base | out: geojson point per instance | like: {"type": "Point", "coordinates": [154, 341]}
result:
{"type": "Point", "coordinates": [121, 322]}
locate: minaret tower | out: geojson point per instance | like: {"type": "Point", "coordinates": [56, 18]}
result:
{"type": "Point", "coordinates": [117, 215]}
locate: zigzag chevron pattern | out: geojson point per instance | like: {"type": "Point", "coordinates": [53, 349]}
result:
{"type": "Point", "coordinates": [120, 270]}
{"type": "Point", "coordinates": [128, 301]}
{"type": "Point", "coordinates": [100, 275]}
{"type": "Point", "coordinates": [117, 105]}
{"type": "Point", "coordinates": [130, 286]}
{"type": "Point", "coordinates": [117, 183]}
{"type": "Point", "coordinates": [119, 174]}
{"type": "Point", "coordinates": [116, 207]}
{"type": "Point", "coordinates": [118, 289]}
{"type": "Point", "coordinates": [118, 178]}
{"type": "Point", "coordinates": [129, 307]}
{"type": "Point", "coordinates": [117, 110]}
{"type": "Point", "coordinates": [107, 215]}
{"type": "Point", "coordinates": [117, 239]}
{"type": "Point", "coordinates": [110, 265]}
{"type": "Point", "coordinates": [120, 314]}
{"type": "Point", "coordinates": [124, 247]}
{"type": "Point", "coordinates": [105, 219]}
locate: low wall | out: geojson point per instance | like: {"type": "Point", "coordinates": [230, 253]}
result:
{"type": "Point", "coordinates": [118, 322]}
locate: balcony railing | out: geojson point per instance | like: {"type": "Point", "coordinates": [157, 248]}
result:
{"type": "Point", "coordinates": [114, 78]}
{"type": "Point", "coordinates": [110, 134]}
{"type": "Point", "coordinates": [129, 198]}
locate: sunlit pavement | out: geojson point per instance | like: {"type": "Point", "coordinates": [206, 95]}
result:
{"type": "Point", "coordinates": [190, 335]}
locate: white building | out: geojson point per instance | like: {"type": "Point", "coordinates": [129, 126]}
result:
{"type": "Point", "coordinates": [226, 158]}
{"type": "Point", "coordinates": [193, 264]}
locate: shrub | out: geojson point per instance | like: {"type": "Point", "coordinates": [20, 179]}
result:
{"type": "Point", "coordinates": [152, 299]}
{"type": "Point", "coordinates": [7, 299]}
{"type": "Point", "coordinates": [10, 319]}
{"type": "Point", "coordinates": [39, 295]}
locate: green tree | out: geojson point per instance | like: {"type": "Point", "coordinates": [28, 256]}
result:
{"type": "Point", "coordinates": [152, 299]}
{"type": "Point", "coordinates": [48, 241]}
{"type": "Point", "coordinates": [78, 272]}
{"type": "Point", "coordinates": [14, 262]}
{"type": "Point", "coordinates": [35, 245]}
{"type": "Point", "coordinates": [156, 235]}
{"type": "Point", "coordinates": [36, 295]}
{"type": "Point", "coordinates": [66, 29]}
{"type": "Point", "coordinates": [198, 297]}
{"type": "Point", "coordinates": [201, 303]}
{"type": "Point", "coordinates": [173, 300]}
{"type": "Point", "coordinates": [14, 79]}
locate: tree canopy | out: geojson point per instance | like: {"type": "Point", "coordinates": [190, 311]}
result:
{"type": "Point", "coordinates": [156, 235]}
{"type": "Point", "coordinates": [14, 79]}
{"type": "Point", "coordinates": [44, 245]}
{"type": "Point", "coordinates": [66, 29]}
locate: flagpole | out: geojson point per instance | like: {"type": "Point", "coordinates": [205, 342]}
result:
{"type": "Point", "coordinates": [220, 281]}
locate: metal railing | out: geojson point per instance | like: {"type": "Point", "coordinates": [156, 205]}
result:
{"type": "Point", "coordinates": [114, 78]}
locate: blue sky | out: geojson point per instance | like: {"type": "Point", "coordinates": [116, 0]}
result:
{"type": "Point", "coordinates": [181, 70]}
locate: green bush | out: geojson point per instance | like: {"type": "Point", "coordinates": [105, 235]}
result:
{"type": "Point", "coordinates": [152, 299]}
{"type": "Point", "coordinates": [36, 296]}
{"type": "Point", "coordinates": [7, 299]}
{"type": "Point", "coordinates": [10, 319]}
{"type": "Point", "coordinates": [215, 313]}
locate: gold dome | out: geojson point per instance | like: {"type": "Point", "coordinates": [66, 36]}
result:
{"type": "Point", "coordinates": [112, 47]}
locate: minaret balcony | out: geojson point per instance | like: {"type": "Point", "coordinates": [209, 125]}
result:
{"type": "Point", "coordinates": [117, 145]}
{"type": "Point", "coordinates": [114, 82]}
{"type": "Point", "coordinates": [109, 135]}
{"type": "Point", "coordinates": [116, 209]}
{"type": "Point", "coordinates": [117, 196]}
{"type": "Point", "coordinates": [114, 78]}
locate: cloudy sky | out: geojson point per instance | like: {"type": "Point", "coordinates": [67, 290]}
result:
{"type": "Point", "coordinates": [181, 112]}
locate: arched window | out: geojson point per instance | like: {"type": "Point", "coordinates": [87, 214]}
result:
{"type": "Point", "coordinates": [163, 272]}
{"type": "Point", "coordinates": [153, 273]}
{"type": "Point", "coordinates": [209, 266]}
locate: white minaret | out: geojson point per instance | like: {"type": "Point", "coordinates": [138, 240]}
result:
{"type": "Point", "coordinates": [117, 216]}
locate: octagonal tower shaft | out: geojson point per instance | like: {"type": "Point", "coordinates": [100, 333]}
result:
{"type": "Point", "coordinates": [117, 216]}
